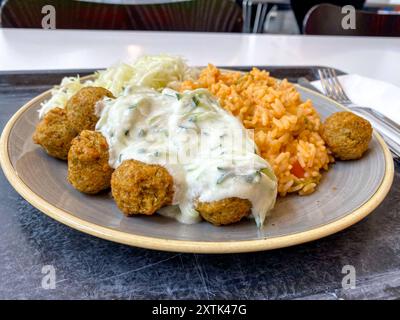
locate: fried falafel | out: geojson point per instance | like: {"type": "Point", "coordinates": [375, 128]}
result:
{"type": "Point", "coordinates": [88, 168]}
{"type": "Point", "coordinates": [81, 107]}
{"type": "Point", "coordinates": [55, 134]}
{"type": "Point", "coordinates": [225, 211]}
{"type": "Point", "coordinates": [140, 188]}
{"type": "Point", "coordinates": [347, 135]}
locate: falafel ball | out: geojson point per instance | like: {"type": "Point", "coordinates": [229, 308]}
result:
{"type": "Point", "coordinates": [54, 133]}
{"type": "Point", "coordinates": [81, 107]}
{"type": "Point", "coordinates": [88, 168]}
{"type": "Point", "coordinates": [347, 135]}
{"type": "Point", "coordinates": [225, 211]}
{"type": "Point", "coordinates": [140, 188]}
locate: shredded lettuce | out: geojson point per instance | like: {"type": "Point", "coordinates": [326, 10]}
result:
{"type": "Point", "coordinates": [156, 72]}
{"type": "Point", "coordinates": [115, 78]}
{"type": "Point", "coordinates": [60, 94]}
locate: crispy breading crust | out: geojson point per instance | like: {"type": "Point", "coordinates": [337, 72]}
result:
{"type": "Point", "coordinates": [347, 135]}
{"type": "Point", "coordinates": [88, 168]}
{"type": "Point", "coordinates": [81, 107]}
{"type": "Point", "coordinates": [226, 211]}
{"type": "Point", "coordinates": [55, 134]}
{"type": "Point", "coordinates": [140, 188]}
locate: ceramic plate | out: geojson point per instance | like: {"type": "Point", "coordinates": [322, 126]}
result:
{"type": "Point", "coordinates": [347, 193]}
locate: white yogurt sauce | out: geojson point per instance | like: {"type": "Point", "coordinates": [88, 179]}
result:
{"type": "Point", "coordinates": [206, 150]}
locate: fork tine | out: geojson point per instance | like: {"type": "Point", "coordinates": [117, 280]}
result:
{"type": "Point", "coordinates": [339, 86]}
{"type": "Point", "coordinates": [336, 84]}
{"type": "Point", "coordinates": [321, 78]}
{"type": "Point", "coordinates": [332, 83]}
{"type": "Point", "coordinates": [335, 93]}
{"type": "Point", "coordinates": [331, 91]}
{"type": "Point", "coordinates": [324, 83]}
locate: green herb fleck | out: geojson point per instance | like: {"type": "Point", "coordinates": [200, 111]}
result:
{"type": "Point", "coordinates": [252, 178]}
{"type": "Point", "coordinates": [195, 128]}
{"type": "Point", "coordinates": [154, 119]}
{"type": "Point", "coordinates": [196, 101]}
{"type": "Point", "coordinates": [221, 168]}
{"type": "Point", "coordinates": [224, 176]}
{"type": "Point", "coordinates": [269, 173]}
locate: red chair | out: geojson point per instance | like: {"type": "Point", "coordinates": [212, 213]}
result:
{"type": "Point", "coordinates": [196, 15]}
{"type": "Point", "coordinates": [326, 19]}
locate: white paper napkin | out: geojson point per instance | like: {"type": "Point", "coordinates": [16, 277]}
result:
{"type": "Point", "coordinates": [367, 92]}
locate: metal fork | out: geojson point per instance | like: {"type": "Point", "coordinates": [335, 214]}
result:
{"type": "Point", "coordinates": [385, 126]}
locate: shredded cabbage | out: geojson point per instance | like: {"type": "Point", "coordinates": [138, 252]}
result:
{"type": "Point", "coordinates": [157, 72]}
{"type": "Point", "coordinates": [60, 94]}
{"type": "Point", "coordinates": [115, 78]}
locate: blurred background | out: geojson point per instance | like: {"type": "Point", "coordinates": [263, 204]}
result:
{"type": "Point", "coordinates": [374, 17]}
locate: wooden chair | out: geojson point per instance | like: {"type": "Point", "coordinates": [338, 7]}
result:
{"type": "Point", "coordinates": [326, 19]}
{"type": "Point", "coordinates": [189, 15]}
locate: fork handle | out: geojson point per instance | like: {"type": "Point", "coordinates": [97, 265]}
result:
{"type": "Point", "coordinates": [389, 129]}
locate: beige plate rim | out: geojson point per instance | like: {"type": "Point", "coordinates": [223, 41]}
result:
{"type": "Point", "coordinates": [184, 245]}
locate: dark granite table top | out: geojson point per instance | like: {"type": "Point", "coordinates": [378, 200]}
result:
{"type": "Point", "coordinates": [87, 267]}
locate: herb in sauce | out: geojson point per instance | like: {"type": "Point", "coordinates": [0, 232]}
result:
{"type": "Point", "coordinates": [269, 173]}
{"type": "Point", "coordinates": [225, 176]}
{"type": "Point", "coordinates": [252, 178]}
{"type": "Point", "coordinates": [196, 101]}
{"type": "Point", "coordinates": [154, 119]}
{"type": "Point", "coordinates": [193, 118]}
{"type": "Point", "coordinates": [190, 127]}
